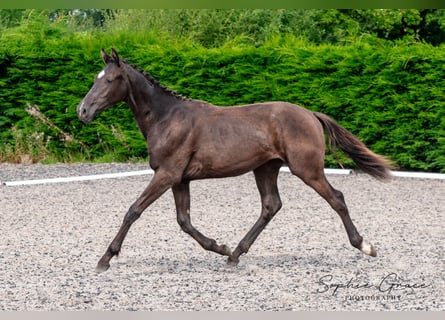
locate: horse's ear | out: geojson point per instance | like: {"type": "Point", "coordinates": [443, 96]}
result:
{"type": "Point", "coordinates": [105, 57]}
{"type": "Point", "coordinates": [115, 56]}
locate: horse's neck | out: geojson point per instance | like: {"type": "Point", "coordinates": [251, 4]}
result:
{"type": "Point", "coordinates": [148, 102]}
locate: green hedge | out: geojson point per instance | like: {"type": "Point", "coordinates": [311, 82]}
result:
{"type": "Point", "coordinates": [390, 95]}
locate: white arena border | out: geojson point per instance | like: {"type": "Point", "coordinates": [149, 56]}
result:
{"type": "Point", "coordinates": [421, 175]}
{"type": "Point", "coordinates": [78, 178]}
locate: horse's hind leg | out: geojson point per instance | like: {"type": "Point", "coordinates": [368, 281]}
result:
{"type": "Point", "coordinates": [181, 193]}
{"type": "Point", "coordinates": [266, 180]}
{"type": "Point", "coordinates": [317, 180]}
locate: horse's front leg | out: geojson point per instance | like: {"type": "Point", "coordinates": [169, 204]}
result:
{"type": "Point", "coordinates": [181, 193]}
{"type": "Point", "coordinates": [160, 183]}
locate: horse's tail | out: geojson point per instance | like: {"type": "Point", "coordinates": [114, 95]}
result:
{"type": "Point", "coordinates": [366, 160]}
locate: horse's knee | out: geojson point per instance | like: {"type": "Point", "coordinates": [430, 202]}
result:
{"type": "Point", "coordinates": [271, 206]}
{"type": "Point", "coordinates": [184, 223]}
{"type": "Point", "coordinates": [339, 195]}
{"type": "Point", "coordinates": [277, 206]}
{"type": "Point", "coordinates": [132, 215]}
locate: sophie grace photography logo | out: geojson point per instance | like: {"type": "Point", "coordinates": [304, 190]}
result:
{"type": "Point", "coordinates": [389, 287]}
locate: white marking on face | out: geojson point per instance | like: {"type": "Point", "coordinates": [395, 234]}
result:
{"type": "Point", "coordinates": [101, 74]}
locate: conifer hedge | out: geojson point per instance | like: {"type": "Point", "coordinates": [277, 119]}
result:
{"type": "Point", "coordinates": [391, 95]}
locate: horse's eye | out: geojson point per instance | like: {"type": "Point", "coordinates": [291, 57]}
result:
{"type": "Point", "coordinates": [109, 80]}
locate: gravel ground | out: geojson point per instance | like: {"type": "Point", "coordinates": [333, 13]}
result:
{"type": "Point", "coordinates": [54, 234]}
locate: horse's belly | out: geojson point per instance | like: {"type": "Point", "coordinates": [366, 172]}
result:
{"type": "Point", "coordinates": [221, 162]}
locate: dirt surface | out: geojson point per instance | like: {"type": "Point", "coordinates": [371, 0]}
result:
{"type": "Point", "coordinates": [52, 236]}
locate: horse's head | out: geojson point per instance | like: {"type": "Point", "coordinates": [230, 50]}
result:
{"type": "Point", "coordinates": [108, 89]}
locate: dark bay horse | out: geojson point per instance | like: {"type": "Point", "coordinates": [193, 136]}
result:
{"type": "Point", "coordinates": [190, 139]}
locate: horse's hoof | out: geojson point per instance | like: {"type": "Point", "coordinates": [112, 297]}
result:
{"type": "Point", "coordinates": [368, 249]}
{"type": "Point", "coordinates": [232, 262]}
{"type": "Point", "coordinates": [102, 267]}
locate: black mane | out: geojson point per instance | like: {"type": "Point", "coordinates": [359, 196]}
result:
{"type": "Point", "coordinates": [155, 82]}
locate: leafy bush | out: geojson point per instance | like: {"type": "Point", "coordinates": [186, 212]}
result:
{"type": "Point", "coordinates": [388, 94]}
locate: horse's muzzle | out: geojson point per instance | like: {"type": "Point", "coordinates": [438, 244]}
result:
{"type": "Point", "coordinates": [84, 113]}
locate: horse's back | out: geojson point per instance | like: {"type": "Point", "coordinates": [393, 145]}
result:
{"type": "Point", "coordinates": [244, 137]}
{"type": "Point", "coordinates": [290, 122]}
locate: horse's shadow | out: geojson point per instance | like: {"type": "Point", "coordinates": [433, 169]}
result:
{"type": "Point", "coordinates": [307, 263]}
